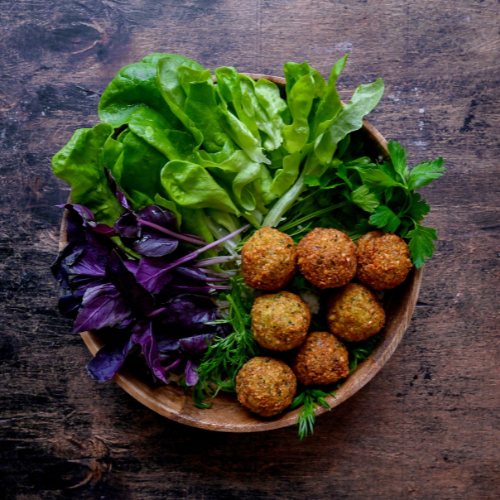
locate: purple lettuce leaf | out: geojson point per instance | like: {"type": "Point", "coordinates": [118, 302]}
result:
{"type": "Point", "coordinates": [137, 297]}
{"type": "Point", "coordinates": [103, 306]}
{"type": "Point", "coordinates": [142, 334]}
{"type": "Point", "coordinates": [109, 359]}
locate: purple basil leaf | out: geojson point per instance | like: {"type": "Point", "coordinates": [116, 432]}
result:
{"type": "Point", "coordinates": [88, 263]}
{"type": "Point", "coordinates": [102, 306]}
{"type": "Point", "coordinates": [109, 359]}
{"type": "Point", "coordinates": [142, 334]}
{"type": "Point", "coordinates": [85, 213]}
{"type": "Point", "coordinates": [169, 291]}
{"type": "Point", "coordinates": [159, 216]}
{"type": "Point", "coordinates": [154, 244]}
{"type": "Point", "coordinates": [168, 345]}
{"type": "Point", "coordinates": [186, 315]}
{"type": "Point", "coordinates": [80, 221]}
{"type": "Point", "coordinates": [191, 374]}
{"type": "Point", "coordinates": [74, 227]}
{"type": "Point", "coordinates": [104, 229]}
{"type": "Point", "coordinates": [125, 282]}
{"type": "Point", "coordinates": [68, 254]}
{"type": "Point", "coordinates": [80, 284]}
{"type": "Point", "coordinates": [69, 304]}
{"type": "Point", "coordinates": [113, 185]}
{"type": "Point", "coordinates": [79, 267]}
{"type": "Point", "coordinates": [127, 226]}
{"type": "Point", "coordinates": [131, 265]}
{"type": "Point", "coordinates": [194, 346]}
{"type": "Point", "coordinates": [190, 274]}
{"type": "Point", "coordinates": [172, 364]}
{"type": "Point", "coordinates": [153, 274]}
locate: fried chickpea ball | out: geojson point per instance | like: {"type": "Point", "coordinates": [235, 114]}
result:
{"type": "Point", "coordinates": [383, 260]}
{"type": "Point", "coordinates": [322, 359]}
{"type": "Point", "coordinates": [327, 258]}
{"type": "Point", "coordinates": [355, 313]}
{"type": "Point", "coordinates": [265, 386]}
{"type": "Point", "coordinates": [268, 259]}
{"type": "Point", "coordinates": [280, 321]}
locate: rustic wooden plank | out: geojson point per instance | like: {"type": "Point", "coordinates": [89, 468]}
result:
{"type": "Point", "coordinates": [427, 427]}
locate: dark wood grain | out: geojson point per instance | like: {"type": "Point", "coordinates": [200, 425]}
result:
{"type": "Point", "coordinates": [428, 426]}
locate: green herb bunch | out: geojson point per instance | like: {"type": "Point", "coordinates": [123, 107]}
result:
{"type": "Point", "coordinates": [226, 355]}
{"type": "Point", "coordinates": [357, 195]}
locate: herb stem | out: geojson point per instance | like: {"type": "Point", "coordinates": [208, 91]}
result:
{"type": "Point", "coordinates": [312, 215]}
{"type": "Point", "coordinates": [195, 240]}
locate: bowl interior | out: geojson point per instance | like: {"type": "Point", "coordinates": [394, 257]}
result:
{"type": "Point", "coordinates": [226, 414]}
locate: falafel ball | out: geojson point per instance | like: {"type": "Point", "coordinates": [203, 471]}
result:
{"type": "Point", "coordinates": [322, 359]}
{"type": "Point", "coordinates": [280, 321]}
{"type": "Point", "coordinates": [268, 259]}
{"type": "Point", "coordinates": [383, 260]}
{"type": "Point", "coordinates": [355, 313]}
{"type": "Point", "coordinates": [327, 258]}
{"type": "Point", "coordinates": [265, 386]}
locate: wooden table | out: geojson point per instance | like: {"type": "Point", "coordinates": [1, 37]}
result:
{"type": "Point", "coordinates": [428, 426]}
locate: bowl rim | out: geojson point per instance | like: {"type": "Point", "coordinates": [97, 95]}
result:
{"type": "Point", "coordinates": [398, 319]}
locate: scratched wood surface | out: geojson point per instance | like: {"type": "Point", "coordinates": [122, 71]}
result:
{"type": "Point", "coordinates": [428, 426]}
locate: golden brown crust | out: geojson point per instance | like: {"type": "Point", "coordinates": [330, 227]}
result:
{"type": "Point", "coordinates": [268, 259]}
{"type": "Point", "coordinates": [355, 313]}
{"type": "Point", "coordinates": [280, 321]}
{"type": "Point", "coordinates": [266, 386]}
{"type": "Point", "coordinates": [321, 360]}
{"type": "Point", "coordinates": [327, 258]}
{"type": "Point", "coordinates": [383, 260]}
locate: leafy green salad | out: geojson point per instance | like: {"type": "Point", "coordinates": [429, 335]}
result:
{"type": "Point", "coordinates": [225, 155]}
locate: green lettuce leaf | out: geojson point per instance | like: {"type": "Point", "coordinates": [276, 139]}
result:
{"type": "Point", "coordinates": [142, 164]}
{"type": "Point", "coordinates": [349, 119]}
{"type": "Point", "coordinates": [133, 88]}
{"type": "Point", "coordinates": [152, 128]}
{"type": "Point", "coordinates": [330, 105]}
{"type": "Point", "coordinates": [190, 185]}
{"type": "Point", "coordinates": [168, 83]}
{"type": "Point", "coordinates": [80, 163]}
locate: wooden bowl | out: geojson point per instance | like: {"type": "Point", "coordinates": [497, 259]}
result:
{"type": "Point", "coordinates": [226, 414]}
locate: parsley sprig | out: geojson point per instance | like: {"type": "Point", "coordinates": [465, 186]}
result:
{"type": "Point", "coordinates": [364, 196]}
